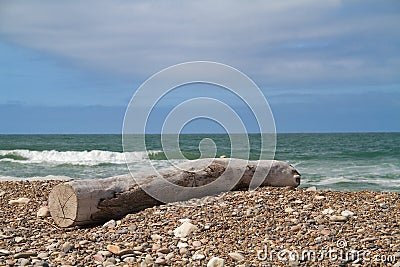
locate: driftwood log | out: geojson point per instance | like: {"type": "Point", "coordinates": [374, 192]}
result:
{"type": "Point", "coordinates": [82, 202]}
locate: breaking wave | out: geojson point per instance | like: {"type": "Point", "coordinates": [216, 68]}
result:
{"type": "Point", "coordinates": [93, 157]}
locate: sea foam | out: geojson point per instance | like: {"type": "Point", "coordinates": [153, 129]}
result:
{"type": "Point", "coordinates": [93, 157]}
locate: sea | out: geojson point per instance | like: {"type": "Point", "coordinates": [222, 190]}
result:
{"type": "Point", "coordinates": [336, 161]}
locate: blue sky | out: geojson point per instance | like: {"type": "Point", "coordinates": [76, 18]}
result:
{"type": "Point", "coordinates": [324, 66]}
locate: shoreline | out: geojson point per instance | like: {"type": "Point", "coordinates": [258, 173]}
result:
{"type": "Point", "coordinates": [241, 228]}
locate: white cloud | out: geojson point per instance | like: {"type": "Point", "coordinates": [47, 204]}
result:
{"type": "Point", "coordinates": [275, 42]}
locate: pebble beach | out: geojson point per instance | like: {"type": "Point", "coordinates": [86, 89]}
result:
{"type": "Point", "coordinates": [265, 227]}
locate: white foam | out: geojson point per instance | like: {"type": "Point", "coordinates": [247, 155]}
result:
{"type": "Point", "coordinates": [93, 157]}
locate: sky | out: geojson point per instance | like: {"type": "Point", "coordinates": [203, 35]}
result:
{"type": "Point", "coordinates": [323, 66]}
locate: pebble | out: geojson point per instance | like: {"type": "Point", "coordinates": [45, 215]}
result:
{"type": "Point", "coordinates": [126, 251]}
{"type": "Point", "coordinates": [98, 257]}
{"type": "Point", "coordinates": [156, 237]}
{"type": "Point", "coordinates": [308, 207]}
{"type": "Point", "coordinates": [148, 259]}
{"type": "Point", "coordinates": [43, 212]}
{"type": "Point", "coordinates": [43, 255]}
{"type": "Point", "coordinates": [67, 246]}
{"type": "Point", "coordinates": [41, 263]}
{"type": "Point", "coordinates": [83, 242]}
{"type": "Point", "coordinates": [26, 254]}
{"type": "Point", "coordinates": [236, 256]}
{"type": "Point", "coordinates": [18, 239]}
{"type": "Point", "coordinates": [182, 245]}
{"type": "Point", "coordinates": [2, 193]}
{"type": "Point", "coordinates": [183, 251]}
{"type": "Point", "coordinates": [122, 231]}
{"type": "Point", "coordinates": [169, 256]}
{"type": "Point", "coordinates": [109, 224]}
{"type": "Point", "coordinates": [129, 260]}
{"type": "Point", "coordinates": [215, 262]}
{"type": "Point", "coordinates": [185, 229]}
{"type": "Point", "coordinates": [319, 197]}
{"type": "Point", "coordinates": [383, 206]}
{"type": "Point", "coordinates": [397, 264]}
{"type": "Point", "coordinates": [198, 256]}
{"type": "Point", "coordinates": [311, 189]}
{"type": "Point", "coordinates": [289, 210]}
{"type": "Point", "coordinates": [325, 232]}
{"type": "Point", "coordinates": [328, 211]}
{"type": "Point", "coordinates": [114, 249]}
{"type": "Point", "coordinates": [19, 201]}
{"type": "Point", "coordinates": [347, 213]}
{"type": "Point", "coordinates": [295, 228]}
{"type": "Point", "coordinates": [164, 250]}
{"type": "Point", "coordinates": [196, 244]}
{"type": "Point", "coordinates": [25, 262]}
{"type": "Point", "coordinates": [4, 252]}
{"type": "Point", "coordinates": [338, 218]}
{"type": "Point", "coordinates": [160, 261]}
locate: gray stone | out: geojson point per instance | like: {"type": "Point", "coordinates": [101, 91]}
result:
{"type": "Point", "coordinates": [41, 263]}
{"type": "Point", "coordinates": [67, 246]}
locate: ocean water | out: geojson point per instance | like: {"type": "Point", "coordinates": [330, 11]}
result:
{"type": "Point", "coordinates": [340, 161]}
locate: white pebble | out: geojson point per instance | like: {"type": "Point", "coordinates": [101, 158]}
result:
{"type": "Point", "coordinates": [109, 224]}
{"type": "Point", "coordinates": [182, 245]}
{"type": "Point", "coordinates": [185, 229]}
{"type": "Point", "coordinates": [215, 262]}
{"type": "Point", "coordinates": [43, 212]}
{"type": "Point", "coordinates": [19, 201]}
{"type": "Point", "coordinates": [198, 256]}
{"type": "Point", "coordinates": [347, 213]}
{"type": "Point", "coordinates": [328, 211]}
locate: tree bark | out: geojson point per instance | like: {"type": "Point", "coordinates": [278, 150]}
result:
{"type": "Point", "coordinates": [82, 202]}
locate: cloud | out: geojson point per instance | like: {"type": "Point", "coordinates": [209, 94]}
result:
{"type": "Point", "coordinates": [277, 43]}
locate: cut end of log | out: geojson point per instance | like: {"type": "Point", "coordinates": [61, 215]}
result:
{"type": "Point", "coordinates": [63, 205]}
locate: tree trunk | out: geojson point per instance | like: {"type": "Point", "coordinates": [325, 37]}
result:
{"type": "Point", "coordinates": [82, 202]}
